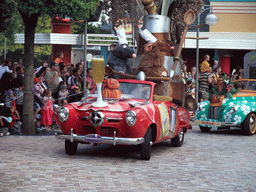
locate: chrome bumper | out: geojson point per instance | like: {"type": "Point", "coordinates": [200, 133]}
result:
{"type": "Point", "coordinates": [213, 123]}
{"type": "Point", "coordinates": [102, 140]}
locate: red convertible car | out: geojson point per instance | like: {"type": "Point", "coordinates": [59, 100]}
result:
{"type": "Point", "coordinates": [136, 118]}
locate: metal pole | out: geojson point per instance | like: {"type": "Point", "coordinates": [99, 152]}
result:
{"type": "Point", "coordinates": [197, 57]}
{"type": "Point", "coordinates": [5, 48]}
{"type": "Point", "coordinates": [197, 54]}
{"type": "Point", "coordinates": [85, 59]}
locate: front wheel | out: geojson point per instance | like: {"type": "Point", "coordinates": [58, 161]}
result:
{"type": "Point", "coordinates": [145, 147]}
{"type": "Point", "coordinates": [177, 141]}
{"type": "Point", "coordinates": [70, 147]}
{"type": "Point", "coordinates": [249, 124]}
{"type": "Point", "coordinates": [205, 129]}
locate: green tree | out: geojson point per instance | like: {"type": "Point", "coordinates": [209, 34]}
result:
{"type": "Point", "coordinates": [7, 8]}
{"type": "Point", "coordinates": [30, 12]}
{"type": "Point", "coordinates": [16, 26]}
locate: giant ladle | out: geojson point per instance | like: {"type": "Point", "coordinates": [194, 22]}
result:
{"type": "Point", "coordinates": [189, 18]}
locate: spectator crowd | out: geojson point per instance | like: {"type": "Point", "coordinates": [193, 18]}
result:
{"type": "Point", "coordinates": [207, 77]}
{"type": "Point", "coordinates": [54, 84]}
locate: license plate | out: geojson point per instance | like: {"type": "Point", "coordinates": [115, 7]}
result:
{"type": "Point", "coordinates": [93, 138]}
{"type": "Point", "coordinates": [208, 123]}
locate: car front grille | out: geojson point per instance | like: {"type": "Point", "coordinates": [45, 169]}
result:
{"type": "Point", "coordinates": [108, 131]}
{"type": "Point", "coordinates": [214, 112]}
{"type": "Point", "coordinates": [88, 130]}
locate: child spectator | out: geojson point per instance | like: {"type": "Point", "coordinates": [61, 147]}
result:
{"type": "Point", "coordinates": [9, 98]}
{"type": "Point", "coordinates": [63, 93]}
{"type": "Point", "coordinates": [63, 102]}
{"type": "Point", "coordinates": [5, 120]}
{"type": "Point", "coordinates": [74, 94]}
{"type": "Point", "coordinates": [18, 93]}
{"type": "Point", "coordinates": [38, 90]}
{"type": "Point", "coordinates": [15, 115]}
{"type": "Point", "coordinates": [47, 110]}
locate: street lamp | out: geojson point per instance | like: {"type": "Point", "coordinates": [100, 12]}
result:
{"type": "Point", "coordinates": [211, 19]}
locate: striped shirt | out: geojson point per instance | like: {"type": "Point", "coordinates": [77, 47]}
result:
{"type": "Point", "coordinates": [203, 82]}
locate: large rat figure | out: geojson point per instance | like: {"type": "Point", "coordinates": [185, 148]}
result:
{"type": "Point", "coordinates": [152, 63]}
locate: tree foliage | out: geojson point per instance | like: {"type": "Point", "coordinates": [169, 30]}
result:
{"type": "Point", "coordinates": [118, 9]}
{"type": "Point", "coordinates": [76, 9]}
{"type": "Point", "coordinates": [6, 11]}
{"type": "Point", "coordinates": [17, 26]}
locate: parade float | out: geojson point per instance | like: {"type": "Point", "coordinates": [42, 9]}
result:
{"type": "Point", "coordinates": [142, 111]}
{"type": "Point", "coordinates": [229, 106]}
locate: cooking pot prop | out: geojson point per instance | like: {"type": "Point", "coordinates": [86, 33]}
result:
{"type": "Point", "coordinates": [190, 103]}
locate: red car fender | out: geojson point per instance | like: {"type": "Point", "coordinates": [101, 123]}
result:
{"type": "Point", "coordinates": [183, 119]}
{"type": "Point", "coordinates": [72, 122]}
{"type": "Point", "coordinates": [142, 124]}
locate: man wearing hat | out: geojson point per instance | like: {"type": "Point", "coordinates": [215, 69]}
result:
{"type": "Point", "coordinates": [52, 78]}
{"type": "Point", "coordinates": [205, 79]}
{"type": "Point", "coordinates": [119, 58]}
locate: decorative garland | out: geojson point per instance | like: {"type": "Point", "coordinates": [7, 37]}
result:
{"type": "Point", "coordinates": [228, 89]}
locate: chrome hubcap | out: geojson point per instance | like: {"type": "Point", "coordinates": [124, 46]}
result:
{"type": "Point", "coordinates": [252, 123]}
{"type": "Point", "coordinates": [181, 135]}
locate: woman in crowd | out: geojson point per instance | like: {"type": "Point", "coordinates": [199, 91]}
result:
{"type": "Point", "coordinates": [63, 72]}
{"type": "Point", "coordinates": [238, 74]}
{"type": "Point", "coordinates": [75, 79]}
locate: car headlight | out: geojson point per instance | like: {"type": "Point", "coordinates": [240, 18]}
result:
{"type": "Point", "coordinates": [232, 110]}
{"type": "Point", "coordinates": [63, 114]}
{"type": "Point", "coordinates": [131, 118]}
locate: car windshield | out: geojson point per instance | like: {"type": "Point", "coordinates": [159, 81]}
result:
{"type": "Point", "coordinates": [133, 90]}
{"type": "Point", "coordinates": [241, 85]}
{"type": "Point", "coordinates": [252, 85]}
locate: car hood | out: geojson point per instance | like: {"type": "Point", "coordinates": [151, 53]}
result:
{"type": "Point", "coordinates": [120, 106]}
{"type": "Point", "coordinates": [239, 100]}
{"type": "Point", "coordinates": [115, 105]}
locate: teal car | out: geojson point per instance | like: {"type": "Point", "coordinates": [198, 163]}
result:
{"type": "Point", "coordinates": [237, 111]}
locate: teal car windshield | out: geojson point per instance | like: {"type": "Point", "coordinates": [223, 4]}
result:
{"type": "Point", "coordinates": [251, 85]}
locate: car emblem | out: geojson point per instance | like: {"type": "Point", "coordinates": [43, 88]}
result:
{"type": "Point", "coordinates": [97, 118]}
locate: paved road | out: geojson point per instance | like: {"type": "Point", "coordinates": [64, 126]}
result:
{"type": "Point", "coordinates": [215, 161]}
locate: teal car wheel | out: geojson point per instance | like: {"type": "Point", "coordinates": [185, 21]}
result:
{"type": "Point", "coordinates": [205, 129]}
{"type": "Point", "coordinates": [249, 124]}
